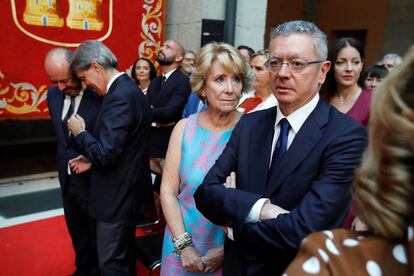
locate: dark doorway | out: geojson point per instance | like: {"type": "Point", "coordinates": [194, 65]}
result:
{"type": "Point", "coordinates": [211, 30]}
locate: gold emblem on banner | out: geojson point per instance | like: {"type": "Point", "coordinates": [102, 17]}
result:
{"type": "Point", "coordinates": [83, 15]}
{"type": "Point", "coordinates": [42, 13]}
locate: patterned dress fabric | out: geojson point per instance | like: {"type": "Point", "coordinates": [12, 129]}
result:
{"type": "Point", "coordinates": [344, 252]}
{"type": "Point", "coordinates": [200, 149]}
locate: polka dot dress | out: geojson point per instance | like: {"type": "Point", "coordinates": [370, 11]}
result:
{"type": "Point", "coordinates": [344, 252]}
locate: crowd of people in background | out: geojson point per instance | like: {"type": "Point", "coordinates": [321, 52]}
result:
{"type": "Point", "coordinates": [253, 152]}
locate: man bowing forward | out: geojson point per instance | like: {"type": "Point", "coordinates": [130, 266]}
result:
{"type": "Point", "coordinates": [118, 150]}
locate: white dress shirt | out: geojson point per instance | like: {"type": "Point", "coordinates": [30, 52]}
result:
{"type": "Point", "coordinates": [296, 120]}
{"type": "Point", "coordinates": [168, 74]}
{"type": "Point", "coordinates": [66, 104]}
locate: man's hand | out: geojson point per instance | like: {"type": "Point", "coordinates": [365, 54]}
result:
{"type": "Point", "coordinates": [213, 259]}
{"type": "Point", "coordinates": [80, 164]}
{"type": "Point", "coordinates": [271, 211]}
{"type": "Point", "coordinates": [76, 124]}
{"type": "Point", "coordinates": [230, 181]}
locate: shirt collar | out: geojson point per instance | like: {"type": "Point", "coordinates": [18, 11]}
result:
{"type": "Point", "coordinates": [168, 74]}
{"type": "Point", "coordinates": [298, 117]}
{"type": "Point", "coordinates": [79, 95]}
{"type": "Point", "coordinates": [112, 80]}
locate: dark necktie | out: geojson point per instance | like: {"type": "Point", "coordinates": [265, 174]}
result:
{"type": "Point", "coordinates": [67, 116]}
{"type": "Point", "coordinates": [281, 144]}
{"type": "Point", "coordinates": [163, 81]}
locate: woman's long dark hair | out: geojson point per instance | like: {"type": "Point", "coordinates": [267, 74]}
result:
{"type": "Point", "coordinates": [330, 86]}
{"type": "Point", "coordinates": [153, 71]}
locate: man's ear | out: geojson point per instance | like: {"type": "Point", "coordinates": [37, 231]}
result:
{"type": "Point", "coordinates": [179, 58]}
{"type": "Point", "coordinates": [96, 66]}
{"type": "Point", "coordinates": [326, 65]}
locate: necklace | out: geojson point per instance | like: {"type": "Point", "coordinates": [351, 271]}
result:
{"type": "Point", "coordinates": [341, 100]}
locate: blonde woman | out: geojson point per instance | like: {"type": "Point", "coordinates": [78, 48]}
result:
{"type": "Point", "coordinates": [383, 191]}
{"type": "Point", "coordinates": [192, 244]}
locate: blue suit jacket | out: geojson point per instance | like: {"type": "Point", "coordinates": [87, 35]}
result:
{"type": "Point", "coordinates": [118, 150]}
{"type": "Point", "coordinates": [192, 105]}
{"type": "Point", "coordinates": [67, 147]}
{"type": "Point", "coordinates": [312, 181]}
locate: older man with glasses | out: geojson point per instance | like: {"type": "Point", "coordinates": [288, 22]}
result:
{"type": "Point", "coordinates": [293, 163]}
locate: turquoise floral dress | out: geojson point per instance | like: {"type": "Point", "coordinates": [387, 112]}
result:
{"type": "Point", "coordinates": [200, 149]}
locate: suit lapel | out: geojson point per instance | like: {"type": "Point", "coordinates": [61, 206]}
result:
{"type": "Point", "coordinates": [160, 90]}
{"type": "Point", "coordinates": [305, 140]}
{"type": "Point", "coordinates": [57, 109]}
{"type": "Point", "coordinates": [83, 109]}
{"type": "Point", "coordinates": [116, 82]}
{"type": "Point", "coordinates": [163, 90]}
{"type": "Point", "coordinates": [84, 104]}
{"type": "Point", "coordinates": [259, 145]}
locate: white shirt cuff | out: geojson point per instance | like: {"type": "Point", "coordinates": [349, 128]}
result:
{"type": "Point", "coordinates": [230, 233]}
{"type": "Point", "coordinates": [254, 214]}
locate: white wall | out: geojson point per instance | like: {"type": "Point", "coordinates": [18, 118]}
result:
{"type": "Point", "coordinates": [251, 23]}
{"type": "Point", "coordinates": [183, 21]}
{"type": "Point", "coordinates": [399, 33]}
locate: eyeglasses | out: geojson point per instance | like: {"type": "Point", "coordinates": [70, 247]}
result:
{"type": "Point", "coordinates": [295, 65]}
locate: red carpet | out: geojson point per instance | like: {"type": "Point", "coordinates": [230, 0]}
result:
{"type": "Point", "coordinates": [39, 248]}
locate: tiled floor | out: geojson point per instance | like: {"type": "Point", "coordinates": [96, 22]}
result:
{"type": "Point", "coordinates": [29, 198]}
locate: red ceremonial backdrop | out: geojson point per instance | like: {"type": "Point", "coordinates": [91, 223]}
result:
{"type": "Point", "coordinates": [30, 28]}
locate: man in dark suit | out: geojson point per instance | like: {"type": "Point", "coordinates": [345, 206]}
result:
{"type": "Point", "coordinates": [118, 149]}
{"type": "Point", "coordinates": [294, 163]}
{"type": "Point", "coordinates": [167, 95]}
{"type": "Point", "coordinates": [66, 97]}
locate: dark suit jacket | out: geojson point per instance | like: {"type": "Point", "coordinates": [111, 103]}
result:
{"type": "Point", "coordinates": [118, 150]}
{"type": "Point", "coordinates": [67, 147]}
{"type": "Point", "coordinates": [312, 181]}
{"type": "Point", "coordinates": [167, 105]}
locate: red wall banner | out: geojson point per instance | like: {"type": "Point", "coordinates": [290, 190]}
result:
{"type": "Point", "coordinates": [30, 28]}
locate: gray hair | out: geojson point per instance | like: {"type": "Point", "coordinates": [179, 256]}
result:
{"type": "Point", "coordinates": [190, 52]}
{"type": "Point", "coordinates": [397, 58]}
{"type": "Point", "coordinates": [305, 27]}
{"type": "Point", "coordinates": [90, 51]}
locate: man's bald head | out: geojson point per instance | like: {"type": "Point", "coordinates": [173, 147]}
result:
{"type": "Point", "coordinates": [57, 62]}
{"type": "Point", "coordinates": [171, 53]}
{"type": "Point", "coordinates": [57, 57]}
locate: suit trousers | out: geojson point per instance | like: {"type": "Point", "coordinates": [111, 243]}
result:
{"type": "Point", "coordinates": [82, 228]}
{"type": "Point", "coordinates": [115, 242]}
